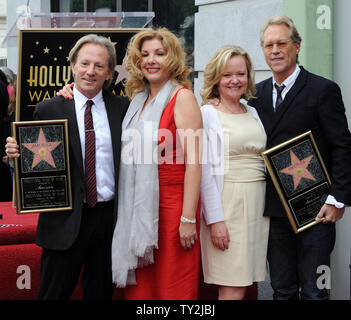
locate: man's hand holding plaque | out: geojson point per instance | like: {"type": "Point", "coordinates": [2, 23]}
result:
{"type": "Point", "coordinates": [302, 182]}
{"type": "Point", "coordinates": [330, 213]}
{"type": "Point", "coordinates": [42, 176]}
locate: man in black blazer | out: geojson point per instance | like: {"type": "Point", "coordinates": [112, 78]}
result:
{"type": "Point", "coordinates": [80, 239]}
{"type": "Point", "coordinates": [306, 102]}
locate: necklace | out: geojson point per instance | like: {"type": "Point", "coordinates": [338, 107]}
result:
{"type": "Point", "coordinates": [242, 109]}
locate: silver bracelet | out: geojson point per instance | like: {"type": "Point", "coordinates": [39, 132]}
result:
{"type": "Point", "coordinates": [183, 219]}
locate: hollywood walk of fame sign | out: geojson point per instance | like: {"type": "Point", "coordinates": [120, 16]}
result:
{"type": "Point", "coordinates": [42, 174]}
{"type": "Point", "coordinates": [300, 178]}
{"type": "Point", "coordinates": [44, 67]}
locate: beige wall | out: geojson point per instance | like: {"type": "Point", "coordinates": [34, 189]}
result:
{"type": "Point", "coordinates": [236, 22]}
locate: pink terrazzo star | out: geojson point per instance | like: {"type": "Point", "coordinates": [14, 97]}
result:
{"type": "Point", "coordinates": [298, 169]}
{"type": "Point", "coordinates": [42, 149]}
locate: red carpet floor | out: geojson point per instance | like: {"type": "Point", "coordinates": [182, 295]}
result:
{"type": "Point", "coordinates": [19, 256]}
{"type": "Point", "coordinates": [20, 260]}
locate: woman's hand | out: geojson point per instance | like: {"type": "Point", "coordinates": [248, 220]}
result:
{"type": "Point", "coordinates": [66, 91]}
{"type": "Point", "coordinates": [220, 236]}
{"type": "Point", "coordinates": [187, 234]}
{"type": "Point", "coordinates": [11, 148]}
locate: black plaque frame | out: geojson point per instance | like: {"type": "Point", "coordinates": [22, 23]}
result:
{"type": "Point", "coordinates": [304, 189]}
{"type": "Point", "coordinates": [42, 176]}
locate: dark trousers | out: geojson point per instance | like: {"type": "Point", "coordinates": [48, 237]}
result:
{"type": "Point", "coordinates": [91, 252]}
{"type": "Point", "coordinates": [294, 260]}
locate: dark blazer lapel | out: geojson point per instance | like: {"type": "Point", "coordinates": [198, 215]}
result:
{"type": "Point", "coordinates": [265, 110]}
{"type": "Point", "coordinates": [289, 98]}
{"type": "Point", "coordinates": [113, 111]}
{"type": "Point", "coordinates": [74, 138]}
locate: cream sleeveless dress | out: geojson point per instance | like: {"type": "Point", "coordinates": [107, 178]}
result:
{"type": "Point", "coordinates": [243, 199]}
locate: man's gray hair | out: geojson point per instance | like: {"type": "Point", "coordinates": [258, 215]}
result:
{"type": "Point", "coordinates": [99, 40]}
{"type": "Point", "coordinates": [276, 20]}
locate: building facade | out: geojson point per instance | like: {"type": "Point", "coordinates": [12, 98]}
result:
{"type": "Point", "coordinates": [3, 31]}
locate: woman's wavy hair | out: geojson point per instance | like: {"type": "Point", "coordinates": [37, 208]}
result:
{"type": "Point", "coordinates": [174, 62]}
{"type": "Point", "coordinates": [216, 67]}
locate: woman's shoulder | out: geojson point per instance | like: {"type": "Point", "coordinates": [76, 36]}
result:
{"type": "Point", "coordinates": [207, 109]}
{"type": "Point", "coordinates": [210, 116]}
{"type": "Point", "coordinates": [184, 98]}
{"type": "Point", "coordinates": [183, 92]}
{"type": "Point", "coordinates": [248, 107]}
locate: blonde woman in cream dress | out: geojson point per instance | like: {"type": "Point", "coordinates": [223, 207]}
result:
{"type": "Point", "coordinates": [234, 233]}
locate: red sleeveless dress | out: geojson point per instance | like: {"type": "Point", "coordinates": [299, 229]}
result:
{"type": "Point", "coordinates": [175, 273]}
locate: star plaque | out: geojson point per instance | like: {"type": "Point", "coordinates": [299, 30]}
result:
{"type": "Point", "coordinates": [301, 180]}
{"type": "Point", "coordinates": [42, 150]}
{"type": "Point", "coordinates": [42, 176]}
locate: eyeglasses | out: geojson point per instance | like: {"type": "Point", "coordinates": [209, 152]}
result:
{"type": "Point", "coordinates": [281, 45]}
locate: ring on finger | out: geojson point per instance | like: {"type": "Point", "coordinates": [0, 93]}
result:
{"type": "Point", "coordinates": [192, 241]}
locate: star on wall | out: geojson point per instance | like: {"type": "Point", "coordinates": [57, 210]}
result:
{"type": "Point", "coordinates": [122, 73]}
{"type": "Point", "coordinates": [42, 150]}
{"type": "Point", "coordinates": [298, 169]}
{"type": "Point", "coordinates": [46, 50]}
{"type": "Point", "coordinates": [114, 43]}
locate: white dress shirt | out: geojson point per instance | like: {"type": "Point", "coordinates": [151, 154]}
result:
{"type": "Point", "coordinates": [289, 82]}
{"type": "Point", "coordinates": [104, 166]}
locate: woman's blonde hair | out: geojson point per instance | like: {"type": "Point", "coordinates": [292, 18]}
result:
{"type": "Point", "coordinates": [174, 62]}
{"type": "Point", "coordinates": [216, 67]}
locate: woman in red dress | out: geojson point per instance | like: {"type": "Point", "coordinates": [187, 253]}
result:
{"type": "Point", "coordinates": [155, 252]}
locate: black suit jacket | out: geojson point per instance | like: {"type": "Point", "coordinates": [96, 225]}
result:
{"type": "Point", "coordinates": [4, 125]}
{"type": "Point", "coordinates": [313, 103]}
{"type": "Point", "coordinates": [58, 230]}
{"type": "Point", "coordinates": [5, 177]}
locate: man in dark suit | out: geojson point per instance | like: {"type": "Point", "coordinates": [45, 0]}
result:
{"type": "Point", "coordinates": [292, 102]}
{"type": "Point", "coordinates": [81, 238]}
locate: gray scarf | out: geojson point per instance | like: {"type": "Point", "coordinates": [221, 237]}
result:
{"type": "Point", "coordinates": [136, 232]}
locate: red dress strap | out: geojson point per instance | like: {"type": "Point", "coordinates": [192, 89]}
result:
{"type": "Point", "coordinates": [175, 95]}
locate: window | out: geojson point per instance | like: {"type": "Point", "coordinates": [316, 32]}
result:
{"type": "Point", "coordinates": [137, 5]}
